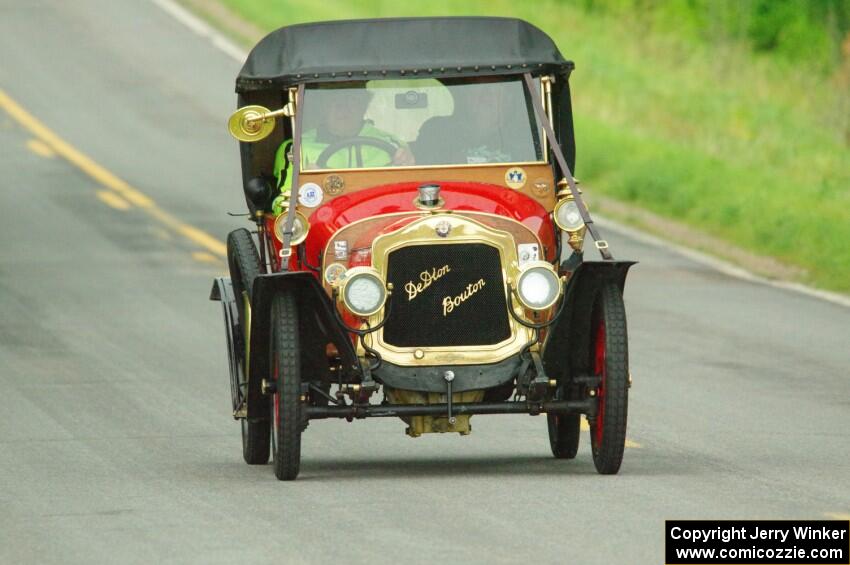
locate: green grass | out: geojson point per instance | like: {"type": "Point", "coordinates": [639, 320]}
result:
{"type": "Point", "coordinates": [749, 147]}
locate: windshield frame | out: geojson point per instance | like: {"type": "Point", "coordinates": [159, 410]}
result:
{"type": "Point", "coordinates": [543, 90]}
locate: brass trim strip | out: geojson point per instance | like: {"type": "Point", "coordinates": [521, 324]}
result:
{"type": "Point", "coordinates": [544, 85]}
{"type": "Point", "coordinates": [425, 167]}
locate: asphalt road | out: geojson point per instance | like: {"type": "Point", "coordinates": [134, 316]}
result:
{"type": "Point", "coordinates": [116, 443]}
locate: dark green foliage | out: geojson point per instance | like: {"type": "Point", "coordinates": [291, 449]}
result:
{"type": "Point", "coordinates": [799, 30]}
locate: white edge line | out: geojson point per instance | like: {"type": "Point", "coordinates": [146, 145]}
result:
{"type": "Point", "coordinates": [225, 45]}
{"type": "Point", "coordinates": [720, 265]}
{"type": "Point", "coordinates": [202, 29]}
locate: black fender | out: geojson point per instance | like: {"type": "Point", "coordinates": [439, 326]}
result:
{"type": "Point", "coordinates": [222, 290]}
{"type": "Point", "coordinates": [565, 349]}
{"type": "Point", "coordinates": [318, 327]}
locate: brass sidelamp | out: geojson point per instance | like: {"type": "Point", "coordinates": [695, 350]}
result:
{"type": "Point", "coordinates": [568, 217]}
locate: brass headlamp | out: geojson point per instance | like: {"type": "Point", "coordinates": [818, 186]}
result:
{"type": "Point", "coordinates": [363, 291]}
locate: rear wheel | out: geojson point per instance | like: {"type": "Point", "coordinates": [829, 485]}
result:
{"type": "Point", "coordinates": [244, 263]}
{"type": "Point", "coordinates": [255, 441]}
{"type": "Point", "coordinates": [564, 434]}
{"type": "Point", "coordinates": [286, 402]}
{"type": "Point", "coordinates": [610, 361]}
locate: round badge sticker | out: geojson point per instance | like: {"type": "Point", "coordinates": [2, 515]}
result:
{"type": "Point", "coordinates": [310, 195]}
{"type": "Point", "coordinates": [515, 178]}
{"type": "Point", "coordinates": [540, 187]}
{"type": "Point", "coordinates": [334, 184]}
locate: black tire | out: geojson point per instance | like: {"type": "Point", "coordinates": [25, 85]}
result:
{"type": "Point", "coordinates": [256, 441]}
{"type": "Point", "coordinates": [244, 263]}
{"type": "Point", "coordinates": [286, 403]}
{"type": "Point", "coordinates": [564, 434]}
{"type": "Point", "coordinates": [609, 356]}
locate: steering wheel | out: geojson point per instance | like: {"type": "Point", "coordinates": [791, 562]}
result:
{"type": "Point", "coordinates": [357, 142]}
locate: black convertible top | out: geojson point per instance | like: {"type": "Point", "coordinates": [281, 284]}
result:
{"type": "Point", "coordinates": [395, 47]}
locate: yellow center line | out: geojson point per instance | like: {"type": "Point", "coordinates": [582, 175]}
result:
{"type": "Point", "coordinates": [204, 257]}
{"type": "Point", "coordinates": [162, 234]}
{"type": "Point", "coordinates": [113, 200]}
{"type": "Point", "coordinates": [40, 148]}
{"type": "Point", "coordinates": [585, 427]}
{"type": "Point", "coordinates": [106, 178]}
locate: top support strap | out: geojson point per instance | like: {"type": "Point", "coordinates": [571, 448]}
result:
{"type": "Point", "coordinates": [601, 244]}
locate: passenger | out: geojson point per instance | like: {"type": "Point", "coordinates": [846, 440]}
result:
{"type": "Point", "coordinates": [478, 130]}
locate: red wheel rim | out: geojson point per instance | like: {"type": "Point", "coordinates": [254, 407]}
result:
{"type": "Point", "coordinates": [600, 369]}
{"type": "Point", "coordinates": [276, 400]}
{"type": "Point", "coordinates": [277, 410]}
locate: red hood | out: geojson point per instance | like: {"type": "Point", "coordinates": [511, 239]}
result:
{"type": "Point", "coordinates": [399, 197]}
{"type": "Point", "coordinates": [392, 198]}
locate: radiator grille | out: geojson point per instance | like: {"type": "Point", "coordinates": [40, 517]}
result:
{"type": "Point", "coordinates": [459, 300]}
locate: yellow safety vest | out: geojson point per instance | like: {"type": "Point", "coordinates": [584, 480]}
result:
{"type": "Point", "coordinates": [312, 148]}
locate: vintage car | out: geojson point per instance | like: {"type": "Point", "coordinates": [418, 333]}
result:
{"type": "Point", "coordinates": [416, 241]}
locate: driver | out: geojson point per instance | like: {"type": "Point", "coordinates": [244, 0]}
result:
{"type": "Point", "coordinates": [340, 118]}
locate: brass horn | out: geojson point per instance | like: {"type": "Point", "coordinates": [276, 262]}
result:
{"type": "Point", "coordinates": [254, 123]}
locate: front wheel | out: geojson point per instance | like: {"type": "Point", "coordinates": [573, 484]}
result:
{"type": "Point", "coordinates": [286, 402]}
{"type": "Point", "coordinates": [610, 362]}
